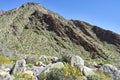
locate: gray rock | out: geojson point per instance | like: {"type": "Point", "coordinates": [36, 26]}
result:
{"type": "Point", "coordinates": [5, 75]}
{"type": "Point", "coordinates": [37, 70]}
{"type": "Point", "coordinates": [6, 67]}
{"type": "Point", "coordinates": [77, 61]}
{"type": "Point", "coordinates": [87, 71]}
{"type": "Point", "coordinates": [111, 70]}
{"type": "Point", "coordinates": [19, 67]}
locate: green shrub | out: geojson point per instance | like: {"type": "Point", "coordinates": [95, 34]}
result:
{"type": "Point", "coordinates": [23, 77]}
{"type": "Point", "coordinates": [6, 60]}
{"type": "Point", "coordinates": [66, 73]}
{"type": "Point", "coordinates": [66, 58]}
{"type": "Point", "coordinates": [94, 77]}
{"type": "Point", "coordinates": [99, 76]}
{"type": "Point", "coordinates": [30, 65]}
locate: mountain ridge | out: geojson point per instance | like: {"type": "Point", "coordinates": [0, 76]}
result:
{"type": "Point", "coordinates": [33, 28]}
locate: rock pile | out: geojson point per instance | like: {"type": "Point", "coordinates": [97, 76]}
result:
{"type": "Point", "coordinates": [7, 72]}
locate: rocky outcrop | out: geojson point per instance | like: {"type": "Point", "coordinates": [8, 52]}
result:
{"type": "Point", "coordinates": [106, 35]}
{"type": "Point", "coordinates": [5, 75]}
{"type": "Point", "coordinates": [19, 67]}
{"type": "Point", "coordinates": [37, 70]}
{"type": "Point", "coordinates": [77, 61]}
{"type": "Point", "coordinates": [111, 70]}
{"type": "Point", "coordinates": [40, 68]}
{"type": "Point", "coordinates": [88, 71]}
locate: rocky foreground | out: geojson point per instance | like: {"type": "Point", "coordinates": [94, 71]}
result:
{"type": "Point", "coordinates": [53, 68]}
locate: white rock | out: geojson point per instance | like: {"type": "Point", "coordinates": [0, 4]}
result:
{"type": "Point", "coordinates": [111, 70]}
{"type": "Point", "coordinates": [87, 71]}
{"type": "Point", "coordinates": [5, 75]}
{"type": "Point", "coordinates": [20, 66]}
{"type": "Point", "coordinates": [28, 72]}
{"type": "Point", "coordinates": [38, 70]}
{"type": "Point", "coordinates": [77, 61]}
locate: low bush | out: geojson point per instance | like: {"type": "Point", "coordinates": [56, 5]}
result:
{"type": "Point", "coordinates": [99, 76]}
{"type": "Point", "coordinates": [66, 73]}
{"type": "Point", "coordinates": [7, 60]}
{"type": "Point", "coordinates": [23, 77]}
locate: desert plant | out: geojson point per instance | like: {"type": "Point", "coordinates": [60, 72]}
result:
{"type": "Point", "coordinates": [94, 77]}
{"type": "Point", "coordinates": [6, 60]}
{"type": "Point", "coordinates": [23, 77]}
{"type": "Point", "coordinates": [66, 73]}
{"type": "Point", "coordinates": [99, 76]}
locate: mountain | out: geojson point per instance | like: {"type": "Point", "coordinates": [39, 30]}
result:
{"type": "Point", "coordinates": [38, 44]}
{"type": "Point", "coordinates": [2, 12]}
{"type": "Point", "coordinates": [32, 28]}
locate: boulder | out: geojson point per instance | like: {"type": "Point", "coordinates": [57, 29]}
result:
{"type": "Point", "coordinates": [111, 70]}
{"type": "Point", "coordinates": [19, 67]}
{"type": "Point", "coordinates": [6, 67]}
{"type": "Point", "coordinates": [37, 70]}
{"type": "Point", "coordinates": [77, 61]}
{"type": "Point", "coordinates": [87, 71]}
{"type": "Point", "coordinates": [5, 75]}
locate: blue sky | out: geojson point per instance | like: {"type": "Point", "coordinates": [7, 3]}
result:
{"type": "Point", "coordinates": [103, 13]}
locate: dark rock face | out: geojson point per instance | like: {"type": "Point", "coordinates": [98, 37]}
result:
{"type": "Point", "coordinates": [50, 22]}
{"type": "Point", "coordinates": [108, 36]}
{"type": "Point", "coordinates": [82, 26]}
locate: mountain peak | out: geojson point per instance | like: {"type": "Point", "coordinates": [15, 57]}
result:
{"type": "Point", "coordinates": [30, 3]}
{"type": "Point", "coordinates": [33, 6]}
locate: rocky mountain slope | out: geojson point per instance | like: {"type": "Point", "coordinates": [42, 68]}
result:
{"type": "Point", "coordinates": [31, 30]}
